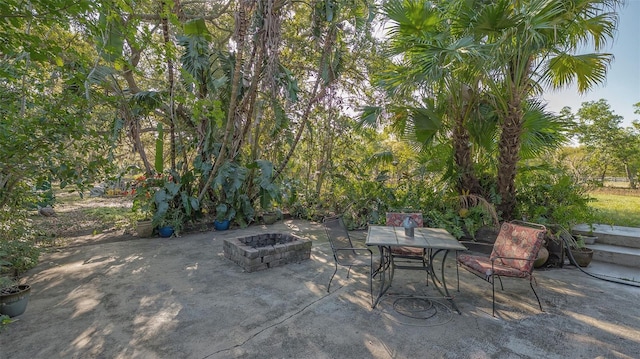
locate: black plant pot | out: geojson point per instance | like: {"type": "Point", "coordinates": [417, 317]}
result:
{"type": "Point", "coordinates": [13, 300]}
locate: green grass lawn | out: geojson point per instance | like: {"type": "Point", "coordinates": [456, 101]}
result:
{"type": "Point", "coordinates": [614, 209]}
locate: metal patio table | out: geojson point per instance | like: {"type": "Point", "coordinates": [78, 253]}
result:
{"type": "Point", "coordinates": [434, 240]}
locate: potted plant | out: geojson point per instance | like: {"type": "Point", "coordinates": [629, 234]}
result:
{"type": "Point", "coordinates": [579, 254]}
{"type": "Point", "coordinates": [16, 256]}
{"type": "Point", "coordinates": [143, 206]}
{"type": "Point", "coordinates": [271, 217]}
{"type": "Point", "coordinates": [13, 297]}
{"type": "Point", "coordinates": [574, 247]}
{"type": "Point", "coordinates": [224, 215]}
{"type": "Point", "coordinates": [270, 196]}
{"type": "Point", "coordinates": [172, 223]}
{"type": "Point", "coordinates": [173, 205]}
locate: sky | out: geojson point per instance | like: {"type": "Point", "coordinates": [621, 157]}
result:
{"type": "Point", "coordinates": [622, 87]}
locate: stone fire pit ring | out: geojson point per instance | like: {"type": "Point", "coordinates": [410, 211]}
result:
{"type": "Point", "coordinates": [266, 250]}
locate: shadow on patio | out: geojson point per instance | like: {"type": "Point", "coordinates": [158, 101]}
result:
{"type": "Point", "coordinates": [180, 298]}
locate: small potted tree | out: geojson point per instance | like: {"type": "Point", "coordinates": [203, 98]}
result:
{"type": "Point", "coordinates": [14, 297]}
{"type": "Point", "coordinates": [16, 256]}
{"type": "Point", "coordinates": [173, 206]}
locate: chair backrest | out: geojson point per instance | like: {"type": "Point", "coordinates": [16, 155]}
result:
{"type": "Point", "coordinates": [518, 241]}
{"type": "Point", "coordinates": [396, 219]}
{"type": "Point", "coordinates": [337, 233]}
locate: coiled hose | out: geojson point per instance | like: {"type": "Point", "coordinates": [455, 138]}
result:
{"type": "Point", "coordinates": [597, 276]}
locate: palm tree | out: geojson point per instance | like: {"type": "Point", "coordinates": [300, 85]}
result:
{"type": "Point", "coordinates": [460, 55]}
{"type": "Point", "coordinates": [534, 44]}
{"type": "Point", "coordinates": [437, 78]}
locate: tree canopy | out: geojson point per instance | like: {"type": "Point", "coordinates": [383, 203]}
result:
{"type": "Point", "coordinates": [240, 107]}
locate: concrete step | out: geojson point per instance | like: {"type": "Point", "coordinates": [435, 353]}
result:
{"type": "Point", "coordinates": [625, 256]}
{"type": "Point", "coordinates": [614, 244]}
{"type": "Point", "coordinates": [613, 235]}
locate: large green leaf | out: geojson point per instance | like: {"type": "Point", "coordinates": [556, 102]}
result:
{"type": "Point", "coordinates": [197, 27]}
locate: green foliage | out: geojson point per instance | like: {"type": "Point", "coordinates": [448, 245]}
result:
{"type": "Point", "coordinates": [166, 199]}
{"type": "Point", "coordinates": [549, 195]}
{"type": "Point", "coordinates": [48, 133]}
{"type": "Point", "coordinates": [4, 321]}
{"type": "Point", "coordinates": [18, 256]}
{"type": "Point", "coordinates": [18, 253]}
{"type": "Point", "coordinates": [229, 197]}
{"type": "Point", "coordinates": [610, 146]}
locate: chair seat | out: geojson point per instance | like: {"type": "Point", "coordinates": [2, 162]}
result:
{"type": "Point", "coordinates": [407, 251]}
{"type": "Point", "coordinates": [482, 265]}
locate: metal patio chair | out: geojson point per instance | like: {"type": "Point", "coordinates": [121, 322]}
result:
{"type": "Point", "coordinates": [513, 254]}
{"type": "Point", "coordinates": [344, 253]}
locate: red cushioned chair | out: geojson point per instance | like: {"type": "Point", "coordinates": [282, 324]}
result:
{"type": "Point", "coordinates": [513, 254]}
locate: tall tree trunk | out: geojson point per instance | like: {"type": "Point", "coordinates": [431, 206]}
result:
{"type": "Point", "coordinates": [171, 76]}
{"type": "Point", "coordinates": [518, 86]}
{"type": "Point", "coordinates": [242, 22]}
{"type": "Point", "coordinates": [509, 149]}
{"type": "Point", "coordinates": [630, 176]}
{"type": "Point", "coordinates": [318, 92]}
{"type": "Point", "coordinates": [134, 131]}
{"type": "Point", "coordinates": [468, 181]}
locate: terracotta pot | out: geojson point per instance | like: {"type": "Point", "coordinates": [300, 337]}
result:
{"type": "Point", "coordinates": [144, 229]}
{"type": "Point", "coordinates": [581, 256]}
{"type": "Point", "coordinates": [541, 259]}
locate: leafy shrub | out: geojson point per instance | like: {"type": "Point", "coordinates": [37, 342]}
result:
{"type": "Point", "coordinates": [18, 256]}
{"type": "Point", "coordinates": [551, 196]}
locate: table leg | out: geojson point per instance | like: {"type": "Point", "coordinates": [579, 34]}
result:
{"type": "Point", "coordinates": [385, 268]}
{"type": "Point", "coordinates": [444, 291]}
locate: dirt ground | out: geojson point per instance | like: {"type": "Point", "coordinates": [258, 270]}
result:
{"type": "Point", "coordinates": [92, 220]}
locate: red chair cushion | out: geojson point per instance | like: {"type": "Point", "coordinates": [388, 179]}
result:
{"type": "Point", "coordinates": [482, 265]}
{"type": "Point", "coordinates": [517, 246]}
{"type": "Point", "coordinates": [407, 251]}
{"type": "Point", "coordinates": [396, 219]}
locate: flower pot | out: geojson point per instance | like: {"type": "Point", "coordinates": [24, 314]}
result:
{"type": "Point", "coordinates": [270, 218]}
{"type": "Point", "coordinates": [221, 225]}
{"type": "Point", "coordinates": [13, 300]}
{"type": "Point", "coordinates": [541, 259]}
{"type": "Point", "coordinates": [165, 232]}
{"type": "Point", "coordinates": [144, 229]}
{"type": "Point", "coordinates": [581, 256]}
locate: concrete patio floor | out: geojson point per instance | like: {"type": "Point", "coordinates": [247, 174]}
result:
{"type": "Point", "coordinates": [180, 298]}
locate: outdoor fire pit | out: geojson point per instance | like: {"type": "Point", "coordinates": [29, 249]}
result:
{"type": "Point", "coordinates": [262, 251]}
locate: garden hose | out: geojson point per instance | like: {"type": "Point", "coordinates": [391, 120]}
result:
{"type": "Point", "coordinates": [597, 276]}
